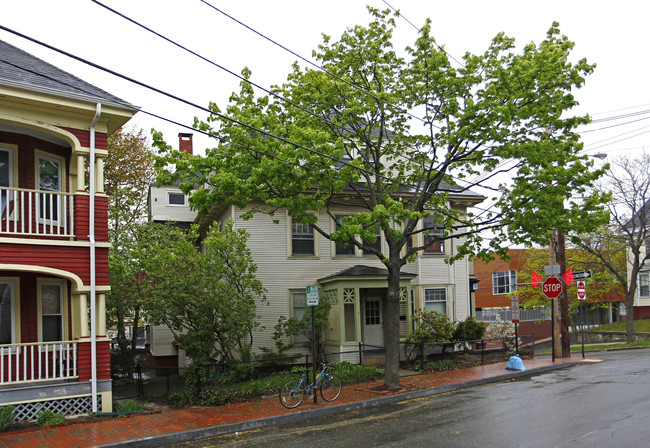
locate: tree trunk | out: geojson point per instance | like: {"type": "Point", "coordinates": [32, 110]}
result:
{"type": "Point", "coordinates": [134, 334]}
{"type": "Point", "coordinates": [629, 319]}
{"type": "Point", "coordinates": [391, 329]}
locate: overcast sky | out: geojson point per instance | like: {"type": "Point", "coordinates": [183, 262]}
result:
{"type": "Point", "coordinates": [614, 35]}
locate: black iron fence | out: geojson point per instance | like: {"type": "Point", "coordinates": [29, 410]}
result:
{"type": "Point", "coordinates": [159, 382]}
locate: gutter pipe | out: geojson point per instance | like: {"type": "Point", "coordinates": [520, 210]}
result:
{"type": "Point", "coordinates": [93, 286]}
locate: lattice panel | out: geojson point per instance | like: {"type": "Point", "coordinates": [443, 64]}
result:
{"type": "Point", "coordinates": [403, 294]}
{"type": "Point", "coordinates": [349, 295]}
{"type": "Point", "coordinates": [332, 296]}
{"type": "Point", "coordinates": [68, 406]}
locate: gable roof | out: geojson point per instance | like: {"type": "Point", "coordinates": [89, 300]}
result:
{"type": "Point", "coordinates": [22, 70]}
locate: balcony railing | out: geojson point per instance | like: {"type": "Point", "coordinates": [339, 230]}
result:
{"type": "Point", "coordinates": [36, 212]}
{"type": "Point", "coordinates": [38, 361]}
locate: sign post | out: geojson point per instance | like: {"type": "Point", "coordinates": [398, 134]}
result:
{"type": "Point", "coordinates": [552, 287]}
{"type": "Point", "coordinates": [312, 302]}
{"type": "Point", "coordinates": [514, 307]}
{"type": "Point", "coordinates": [582, 296]}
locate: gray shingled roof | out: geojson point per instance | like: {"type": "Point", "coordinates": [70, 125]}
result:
{"type": "Point", "coordinates": [23, 70]}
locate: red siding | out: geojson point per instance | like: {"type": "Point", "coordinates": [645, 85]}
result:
{"type": "Point", "coordinates": [71, 259]}
{"type": "Point", "coordinates": [84, 137]}
{"type": "Point", "coordinates": [103, 361]}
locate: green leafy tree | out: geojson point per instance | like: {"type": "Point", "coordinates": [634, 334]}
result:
{"type": "Point", "coordinates": [207, 298]}
{"type": "Point", "coordinates": [128, 173]}
{"type": "Point", "coordinates": [622, 246]}
{"type": "Point", "coordinates": [395, 136]}
{"type": "Point", "coordinates": [602, 287]}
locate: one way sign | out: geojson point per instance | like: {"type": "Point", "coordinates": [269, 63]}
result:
{"type": "Point", "coordinates": [581, 275]}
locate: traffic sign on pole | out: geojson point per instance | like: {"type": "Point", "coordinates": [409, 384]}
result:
{"type": "Point", "coordinates": [581, 275]}
{"type": "Point", "coordinates": [312, 295]}
{"type": "Point", "coordinates": [552, 288]}
{"type": "Point", "coordinates": [582, 290]}
{"type": "Point", "coordinates": [514, 307]}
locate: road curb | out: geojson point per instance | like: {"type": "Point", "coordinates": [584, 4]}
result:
{"type": "Point", "coordinates": [300, 416]}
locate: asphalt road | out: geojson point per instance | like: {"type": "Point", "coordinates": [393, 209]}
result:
{"type": "Point", "coordinates": [600, 405]}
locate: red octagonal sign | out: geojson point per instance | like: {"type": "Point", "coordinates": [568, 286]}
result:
{"type": "Point", "coordinates": [552, 287]}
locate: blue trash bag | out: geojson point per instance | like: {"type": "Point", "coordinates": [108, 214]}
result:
{"type": "Point", "coordinates": [515, 363]}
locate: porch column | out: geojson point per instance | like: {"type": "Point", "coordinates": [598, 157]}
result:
{"type": "Point", "coordinates": [81, 175]}
{"type": "Point", "coordinates": [357, 314]}
{"type": "Point", "coordinates": [83, 316]}
{"type": "Point", "coordinates": [101, 314]}
{"type": "Point", "coordinates": [99, 175]}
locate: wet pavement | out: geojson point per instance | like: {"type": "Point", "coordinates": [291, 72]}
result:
{"type": "Point", "coordinates": [177, 425]}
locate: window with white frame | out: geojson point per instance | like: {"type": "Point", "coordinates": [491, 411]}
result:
{"type": "Point", "coordinates": [175, 198]}
{"type": "Point", "coordinates": [51, 310]}
{"type": "Point", "coordinates": [435, 299]}
{"type": "Point", "coordinates": [644, 284]}
{"type": "Point", "coordinates": [298, 310]}
{"type": "Point", "coordinates": [303, 241]}
{"type": "Point", "coordinates": [433, 234]}
{"type": "Point", "coordinates": [7, 309]}
{"type": "Point", "coordinates": [504, 282]}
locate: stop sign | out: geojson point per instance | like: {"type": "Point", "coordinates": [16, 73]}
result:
{"type": "Point", "coordinates": [552, 287]}
{"type": "Point", "coordinates": [582, 290]}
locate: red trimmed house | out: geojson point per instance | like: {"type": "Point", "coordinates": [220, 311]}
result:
{"type": "Point", "coordinates": [53, 131]}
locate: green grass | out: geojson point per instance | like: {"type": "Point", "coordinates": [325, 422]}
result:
{"type": "Point", "coordinates": [642, 326]}
{"type": "Point", "coordinates": [578, 348]}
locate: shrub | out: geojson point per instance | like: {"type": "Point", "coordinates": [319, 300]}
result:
{"type": "Point", "coordinates": [7, 415]}
{"type": "Point", "coordinates": [48, 418]}
{"type": "Point", "coordinates": [431, 326]}
{"type": "Point", "coordinates": [469, 330]}
{"type": "Point", "coordinates": [351, 373]}
{"type": "Point", "coordinates": [177, 399]}
{"type": "Point", "coordinates": [213, 396]}
{"type": "Point", "coordinates": [129, 406]}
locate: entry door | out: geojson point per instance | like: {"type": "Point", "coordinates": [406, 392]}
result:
{"type": "Point", "coordinates": [373, 328]}
{"type": "Point", "coordinates": [49, 179]}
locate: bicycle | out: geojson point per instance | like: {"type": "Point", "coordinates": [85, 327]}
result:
{"type": "Point", "coordinates": [294, 391]}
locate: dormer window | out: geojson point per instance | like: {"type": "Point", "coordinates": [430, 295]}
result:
{"type": "Point", "coordinates": [175, 198]}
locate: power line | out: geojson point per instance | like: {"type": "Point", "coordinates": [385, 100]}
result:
{"type": "Point", "coordinates": [335, 76]}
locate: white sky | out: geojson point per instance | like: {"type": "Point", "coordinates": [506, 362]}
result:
{"type": "Point", "coordinates": [614, 35]}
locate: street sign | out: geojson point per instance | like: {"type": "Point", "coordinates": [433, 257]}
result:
{"type": "Point", "coordinates": [581, 275]}
{"type": "Point", "coordinates": [582, 290]}
{"type": "Point", "coordinates": [552, 287]}
{"type": "Point", "coordinates": [514, 306]}
{"type": "Point", "coordinates": [312, 295]}
{"type": "Point", "coordinates": [553, 269]}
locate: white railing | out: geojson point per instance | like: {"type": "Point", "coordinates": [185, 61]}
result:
{"type": "Point", "coordinates": [36, 212]}
{"type": "Point", "coordinates": [38, 361]}
{"type": "Point", "coordinates": [543, 313]}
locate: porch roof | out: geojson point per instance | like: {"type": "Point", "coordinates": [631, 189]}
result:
{"type": "Point", "coordinates": [359, 271]}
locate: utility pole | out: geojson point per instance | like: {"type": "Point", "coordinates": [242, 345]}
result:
{"type": "Point", "coordinates": [552, 259]}
{"type": "Point", "coordinates": [564, 298]}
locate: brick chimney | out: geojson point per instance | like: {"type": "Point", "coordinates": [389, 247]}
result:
{"type": "Point", "coordinates": [185, 143]}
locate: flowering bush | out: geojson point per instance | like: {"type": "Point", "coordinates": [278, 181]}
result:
{"type": "Point", "coordinates": [501, 329]}
{"type": "Point", "coordinates": [431, 326]}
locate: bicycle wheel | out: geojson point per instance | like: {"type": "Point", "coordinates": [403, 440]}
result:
{"type": "Point", "coordinates": [330, 388]}
{"type": "Point", "coordinates": [292, 393]}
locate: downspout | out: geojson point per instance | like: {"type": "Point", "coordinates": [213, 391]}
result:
{"type": "Point", "coordinates": [91, 237]}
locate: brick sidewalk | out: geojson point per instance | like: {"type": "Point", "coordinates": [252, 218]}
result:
{"type": "Point", "coordinates": [224, 419]}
